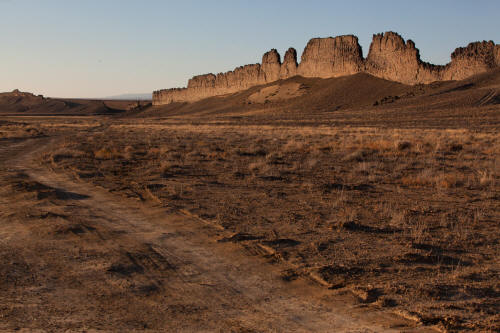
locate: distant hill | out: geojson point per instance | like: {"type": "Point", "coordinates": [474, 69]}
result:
{"type": "Point", "coordinates": [129, 97]}
{"type": "Point", "coordinates": [17, 102]}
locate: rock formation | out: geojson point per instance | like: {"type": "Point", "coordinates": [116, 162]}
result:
{"type": "Point", "coordinates": [389, 57]}
{"type": "Point", "coordinates": [331, 57]}
{"type": "Point", "coordinates": [476, 58]}
{"type": "Point", "coordinates": [271, 66]}
{"type": "Point", "coordinates": [290, 64]}
{"type": "Point", "coordinates": [392, 59]}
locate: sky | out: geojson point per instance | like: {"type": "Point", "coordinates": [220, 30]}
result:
{"type": "Point", "coordinates": [98, 48]}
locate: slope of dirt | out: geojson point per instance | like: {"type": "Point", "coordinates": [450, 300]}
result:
{"type": "Point", "coordinates": [355, 92]}
{"type": "Point", "coordinates": [311, 94]}
{"type": "Point", "coordinates": [278, 92]}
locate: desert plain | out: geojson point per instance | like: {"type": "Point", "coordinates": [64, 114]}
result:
{"type": "Point", "coordinates": [345, 204]}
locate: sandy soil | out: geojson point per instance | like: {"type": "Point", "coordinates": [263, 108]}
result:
{"type": "Point", "coordinates": [76, 257]}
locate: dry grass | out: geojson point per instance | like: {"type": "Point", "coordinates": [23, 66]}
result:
{"type": "Point", "coordinates": [10, 130]}
{"type": "Point", "coordinates": [390, 208]}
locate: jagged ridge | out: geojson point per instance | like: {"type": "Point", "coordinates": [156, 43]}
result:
{"type": "Point", "coordinates": [389, 57]}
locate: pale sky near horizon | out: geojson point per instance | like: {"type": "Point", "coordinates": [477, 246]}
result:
{"type": "Point", "coordinates": [97, 48]}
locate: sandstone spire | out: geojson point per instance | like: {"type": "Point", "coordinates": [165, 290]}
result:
{"type": "Point", "coordinates": [271, 65]}
{"type": "Point", "coordinates": [289, 66]}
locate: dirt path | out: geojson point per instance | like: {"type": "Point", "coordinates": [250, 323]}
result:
{"type": "Point", "coordinates": [76, 257]}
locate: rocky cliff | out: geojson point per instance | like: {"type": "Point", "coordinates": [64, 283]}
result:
{"type": "Point", "coordinates": [390, 57]}
{"type": "Point", "coordinates": [475, 58]}
{"type": "Point", "coordinates": [331, 57]}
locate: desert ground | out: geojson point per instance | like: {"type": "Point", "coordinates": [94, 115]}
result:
{"type": "Point", "coordinates": [352, 204]}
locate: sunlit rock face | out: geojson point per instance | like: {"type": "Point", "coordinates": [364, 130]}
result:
{"type": "Point", "coordinates": [393, 59]}
{"type": "Point", "coordinates": [474, 59]}
{"type": "Point", "coordinates": [390, 57]}
{"type": "Point", "coordinates": [271, 66]}
{"type": "Point", "coordinates": [331, 57]}
{"type": "Point", "coordinates": [290, 64]}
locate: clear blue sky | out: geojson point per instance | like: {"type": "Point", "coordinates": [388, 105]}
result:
{"type": "Point", "coordinates": [95, 48]}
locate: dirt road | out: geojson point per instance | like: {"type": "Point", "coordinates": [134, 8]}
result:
{"type": "Point", "coordinates": [76, 257]}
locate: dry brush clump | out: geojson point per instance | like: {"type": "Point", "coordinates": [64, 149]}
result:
{"type": "Point", "coordinates": [12, 130]}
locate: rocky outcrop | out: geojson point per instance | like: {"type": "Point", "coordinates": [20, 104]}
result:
{"type": "Point", "coordinates": [331, 57]}
{"type": "Point", "coordinates": [390, 57]}
{"type": "Point", "coordinates": [203, 86]}
{"type": "Point", "coordinates": [290, 64]}
{"type": "Point", "coordinates": [476, 58]}
{"type": "Point", "coordinates": [393, 59]}
{"type": "Point", "coordinates": [271, 66]}
{"type": "Point", "coordinates": [18, 93]}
